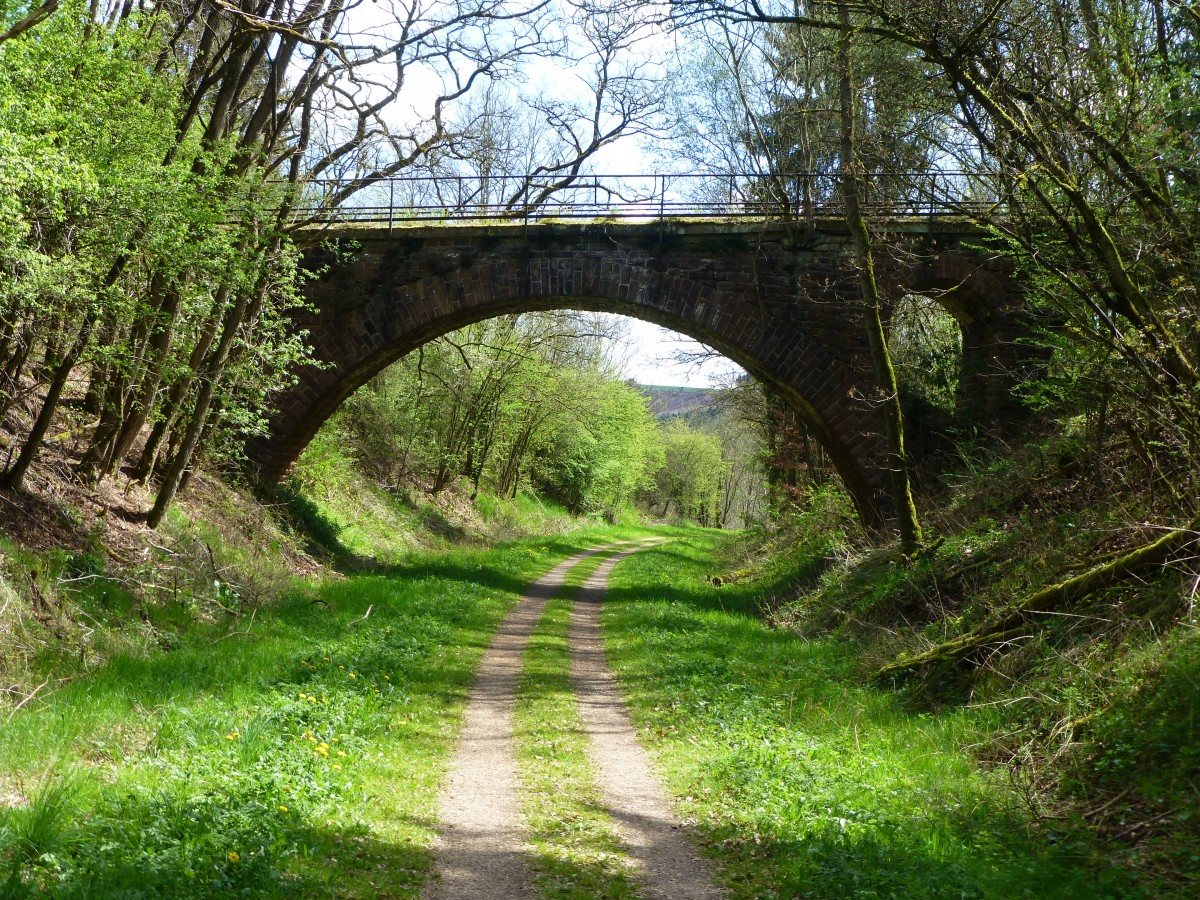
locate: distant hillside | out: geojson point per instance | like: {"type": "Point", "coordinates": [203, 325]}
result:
{"type": "Point", "coordinates": [668, 401]}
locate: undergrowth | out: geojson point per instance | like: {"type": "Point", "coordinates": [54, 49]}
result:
{"type": "Point", "coordinates": [804, 781]}
{"type": "Point", "coordinates": [1094, 707]}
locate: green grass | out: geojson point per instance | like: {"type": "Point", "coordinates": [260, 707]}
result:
{"type": "Point", "coordinates": [216, 767]}
{"type": "Point", "coordinates": [576, 851]}
{"type": "Point", "coordinates": [805, 782]}
{"type": "Point", "coordinates": [207, 760]}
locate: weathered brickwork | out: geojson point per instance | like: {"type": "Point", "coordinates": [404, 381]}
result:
{"type": "Point", "coordinates": [786, 308]}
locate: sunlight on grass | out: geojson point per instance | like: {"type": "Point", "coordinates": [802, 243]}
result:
{"type": "Point", "coordinates": [295, 752]}
{"type": "Point", "coordinates": [802, 781]}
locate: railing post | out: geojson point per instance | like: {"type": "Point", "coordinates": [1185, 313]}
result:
{"type": "Point", "coordinates": [662, 195]}
{"type": "Point", "coordinates": [391, 204]}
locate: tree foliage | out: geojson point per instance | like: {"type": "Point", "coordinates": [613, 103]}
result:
{"type": "Point", "coordinates": [158, 162]}
{"type": "Point", "coordinates": [518, 402]}
{"type": "Point", "coordinates": [1078, 120]}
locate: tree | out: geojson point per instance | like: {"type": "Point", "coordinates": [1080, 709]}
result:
{"type": "Point", "coordinates": [159, 163]}
{"type": "Point", "coordinates": [692, 475]}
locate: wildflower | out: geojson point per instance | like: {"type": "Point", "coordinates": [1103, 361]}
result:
{"type": "Point", "coordinates": [327, 659]}
{"type": "Point", "coordinates": [335, 766]}
{"type": "Point", "coordinates": [282, 808]}
{"type": "Point", "coordinates": [233, 735]}
{"type": "Point", "coordinates": [341, 753]}
{"type": "Point", "coordinates": [352, 675]}
{"type": "Point", "coordinates": [232, 856]}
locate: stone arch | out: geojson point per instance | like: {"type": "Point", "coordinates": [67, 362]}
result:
{"type": "Point", "coordinates": [790, 316]}
{"type": "Point", "coordinates": [980, 293]}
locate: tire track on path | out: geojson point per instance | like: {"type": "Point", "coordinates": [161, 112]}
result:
{"type": "Point", "coordinates": [670, 866]}
{"type": "Point", "coordinates": [480, 848]}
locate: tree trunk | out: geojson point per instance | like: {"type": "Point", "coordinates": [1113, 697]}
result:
{"type": "Point", "coordinates": [906, 509]}
{"type": "Point", "coordinates": [15, 476]}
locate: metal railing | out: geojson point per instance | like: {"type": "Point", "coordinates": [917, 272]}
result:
{"type": "Point", "coordinates": [795, 196]}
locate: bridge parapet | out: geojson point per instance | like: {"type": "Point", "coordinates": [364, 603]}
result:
{"type": "Point", "coordinates": [792, 197]}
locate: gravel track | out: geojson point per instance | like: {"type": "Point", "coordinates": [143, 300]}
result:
{"type": "Point", "coordinates": [670, 866]}
{"type": "Point", "coordinates": [481, 851]}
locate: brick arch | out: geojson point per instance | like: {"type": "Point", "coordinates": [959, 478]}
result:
{"type": "Point", "coordinates": [788, 315]}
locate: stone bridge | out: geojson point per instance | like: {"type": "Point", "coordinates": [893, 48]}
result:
{"type": "Point", "coordinates": [781, 301]}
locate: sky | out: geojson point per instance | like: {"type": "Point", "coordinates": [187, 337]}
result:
{"type": "Point", "coordinates": [649, 358]}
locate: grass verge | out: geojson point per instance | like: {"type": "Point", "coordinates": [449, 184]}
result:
{"type": "Point", "coordinates": [295, 752]}
{"type": "Point", "coordinates": [801, 780]}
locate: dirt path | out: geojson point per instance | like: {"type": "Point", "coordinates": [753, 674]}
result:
{"type": "Point", "coordinates": [480, 853]}
{"type": "Point", "coordinates": [670, 865]}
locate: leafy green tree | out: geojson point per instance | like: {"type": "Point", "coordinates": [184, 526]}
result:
{"type": "Point", "coordinates": [157, 167]}
{"type": "Point", "coordinates": [599, 460]}
{"type": "Point", "coordinates": [515, 401]}
{"type": "Point", "coordinates": [692, 476]}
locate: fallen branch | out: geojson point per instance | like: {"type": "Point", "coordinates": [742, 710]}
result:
{"type": "Point", "coordinates": [245, 633]}
{"type": "Point", "coordinates": [29, 697]}
{"type": "Point", "coordinates": [1016, 621]}
{"type": "Point", "coordinates": [364, 618]}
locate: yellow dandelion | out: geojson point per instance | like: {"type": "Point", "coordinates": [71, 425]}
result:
{"type": "Point", "coordinates": [282, 808]}
{"type": "Point", "coordinates": [341, 753]}
{"type": "Point", "coordinates": [327, 659]}
{"type": "Point", "coordinates": [336, 766]}
{"type": "Point", "coordinates": [352, 675]}
{"type": "Point", "coordinates": [341, 667]}
{"type": "Point", "coordinates": [232, 856]}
